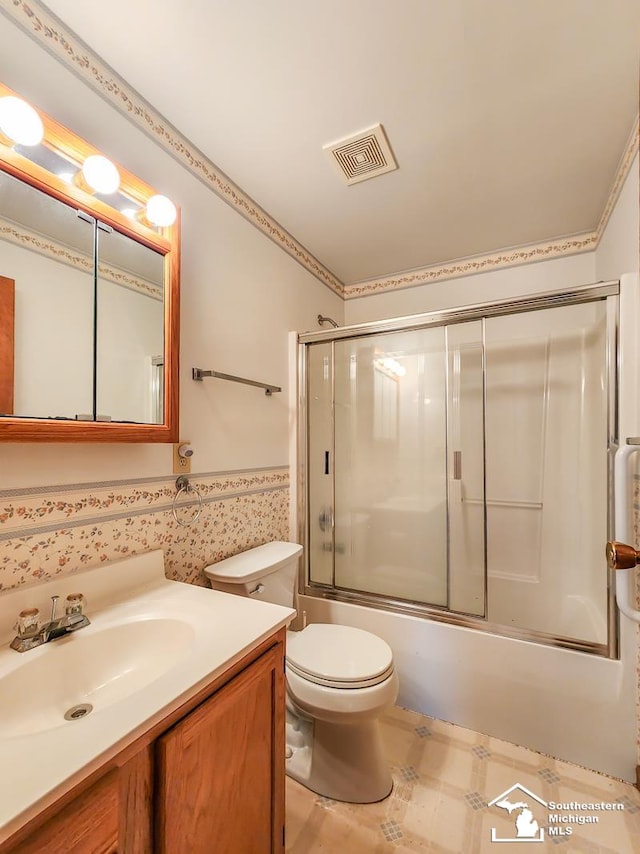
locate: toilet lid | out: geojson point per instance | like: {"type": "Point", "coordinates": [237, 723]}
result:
{"type": "Point", "coordinates": [339, 656]}
{"type": "Point", "coordinates": [254, 563]}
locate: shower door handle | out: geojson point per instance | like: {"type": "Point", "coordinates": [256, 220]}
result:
{"type": "Point", "coordinates": [325, 519]}
{"type": "Point", "coordinates": [457, 465]}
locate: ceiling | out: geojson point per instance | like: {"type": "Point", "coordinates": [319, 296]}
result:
{"type": "Point", "coordinates": [508, 119]}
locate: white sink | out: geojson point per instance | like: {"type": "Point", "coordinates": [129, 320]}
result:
{"type": "Point", "coordinates": [152, 645]}
{"type": "Point", "coordinates": [87, 666]}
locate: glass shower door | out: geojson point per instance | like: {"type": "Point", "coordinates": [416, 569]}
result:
{"type": "Point", "coordinates": [390, 466]}
{"type": "Point", "coordinates": [463, 466]}
{"type": "Point", "coordinates": [466, 467]}
{"type": "Point", "coordinates": [320, 462]}
{"type": "Point", "coordinates": [396, 462]}
{"type": "Point", "coordinates": [547, 408]}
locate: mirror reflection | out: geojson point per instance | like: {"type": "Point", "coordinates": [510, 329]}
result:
{"type": "Point", "coordinates": [130, 330]}
{"type": "Point", "coordinates": [74, 329]}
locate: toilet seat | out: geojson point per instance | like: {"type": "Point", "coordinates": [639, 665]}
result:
{"type": "Point", "coordinates": [334, 683]}
{"type": "Point", "coordinates": [339, 656]}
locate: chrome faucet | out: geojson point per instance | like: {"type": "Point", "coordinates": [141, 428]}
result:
{"type": "Point", "coordinates": [31, 635]}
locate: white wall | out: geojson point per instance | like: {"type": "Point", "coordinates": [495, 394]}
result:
{"type": "Point", "coordinates": [53, 359]}
{"type": "Point", "coordinates": [241, 295]}
{"type": "Point", "coordinates": [130, 334]}
{"type": "Point", "coordinates": [618, 248]}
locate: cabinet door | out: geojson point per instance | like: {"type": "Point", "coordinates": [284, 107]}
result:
{"type": "Point", "coordinates": [220, 771]}
{"type": "Point", "coordinates": [88, 825]}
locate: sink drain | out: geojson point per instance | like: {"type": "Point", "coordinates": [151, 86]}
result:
{"type": "Point", "coordinates": [77, 712]}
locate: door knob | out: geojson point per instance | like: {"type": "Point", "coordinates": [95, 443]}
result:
{"type": "Point", "coordinates": [621, 556]}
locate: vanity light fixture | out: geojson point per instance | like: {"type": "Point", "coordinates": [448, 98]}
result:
{"type": "Point", "coordinates": [100, 174]}
{"type": "Point", "coordinates": [161, 211]}
{"type": "Point", "coordinates": [19, 122]}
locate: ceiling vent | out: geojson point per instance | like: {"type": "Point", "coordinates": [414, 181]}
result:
{"type": "Point", "coordinates": [363, 155]}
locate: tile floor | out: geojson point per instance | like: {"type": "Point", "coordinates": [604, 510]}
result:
{"type": "Point", "coordinates": [445, 777]}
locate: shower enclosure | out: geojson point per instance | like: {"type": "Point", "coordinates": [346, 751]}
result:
{"type": "Point", "coordinates": [457, 465]}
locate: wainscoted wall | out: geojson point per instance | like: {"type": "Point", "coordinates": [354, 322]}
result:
{"type": "Point", "coordinates": [55, 530]}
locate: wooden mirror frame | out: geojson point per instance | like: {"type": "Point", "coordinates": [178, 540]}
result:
{"type": "Point", "coordinates": [166, 241]}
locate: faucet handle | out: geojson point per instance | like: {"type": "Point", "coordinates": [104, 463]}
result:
{"type": "Point", "coordinates": [75, 604]}
{"type": "Point", "coordinates": [28, 623]}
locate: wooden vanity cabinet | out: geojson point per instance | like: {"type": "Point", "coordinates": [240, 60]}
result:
{"type": "Point", "coordinates": [209, 778]}
{"type": "Point", "coordinates": [88, 824]}
{"type": "Point", "coordinates": [227, 803]}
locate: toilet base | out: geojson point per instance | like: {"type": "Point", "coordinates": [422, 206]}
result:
{"type": "Point", "coordinates": [344, 762]}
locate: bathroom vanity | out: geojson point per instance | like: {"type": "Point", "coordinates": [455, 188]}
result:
{"type": "Point", "coordinates": [204, 772]}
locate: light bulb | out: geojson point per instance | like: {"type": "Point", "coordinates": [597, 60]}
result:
{"type": "Point", "coordinates": [20, 122]}
{"type": "Point", "coordinates": [161, 211]}
{"type": "Point", "coordinates": [100, 174]}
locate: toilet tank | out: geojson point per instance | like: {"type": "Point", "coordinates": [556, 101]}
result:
{"type": "Point", "coordinates": [266, 572]}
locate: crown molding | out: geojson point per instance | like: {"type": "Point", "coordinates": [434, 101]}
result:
{"type": "Point", "coordinates": [38, 22]}
{"type": "Point", "coordinates": [624, 167]}
{"type": "Point", "coordinates": [62, 43]}
{"type": "Point", "coordinates": [471, 265]}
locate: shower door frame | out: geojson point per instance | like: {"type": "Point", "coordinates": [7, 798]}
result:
{"type": "Point", "coordinates": [609, 291]}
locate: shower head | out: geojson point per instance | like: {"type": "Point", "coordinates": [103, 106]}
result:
{"type": "Point", "coordinates": [322, 319]}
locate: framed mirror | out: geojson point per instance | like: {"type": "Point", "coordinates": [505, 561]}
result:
{"type": "Point", "coordinates": [89, 296]}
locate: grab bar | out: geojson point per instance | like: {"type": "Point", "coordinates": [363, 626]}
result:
{"type": "Point", "coordinates": [505, 502]}
{"type": "Point", "coordinates": [198, 374]}
{"type": "Point", "coordinates": [623, 533]}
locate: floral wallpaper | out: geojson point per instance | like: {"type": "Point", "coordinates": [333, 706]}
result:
{"type": "Point", "coordinates": [56, 530]}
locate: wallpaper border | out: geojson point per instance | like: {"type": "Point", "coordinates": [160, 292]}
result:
{"type": "Point", "coordinates": [28, 513]}
{"type": "Point", "coordinates": [62, 43]}
{"type": "Point", "coordinates": [44, 27]}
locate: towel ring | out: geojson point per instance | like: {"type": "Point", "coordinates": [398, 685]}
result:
{"type": "Point", "coordinates": [183, 485]}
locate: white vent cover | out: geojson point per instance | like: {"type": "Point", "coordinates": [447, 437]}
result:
{"type": "Point", "coordinates": [363, 155]}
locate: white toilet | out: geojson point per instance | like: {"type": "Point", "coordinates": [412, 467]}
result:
{"type": "Point", "coordinates": [339, 680]}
